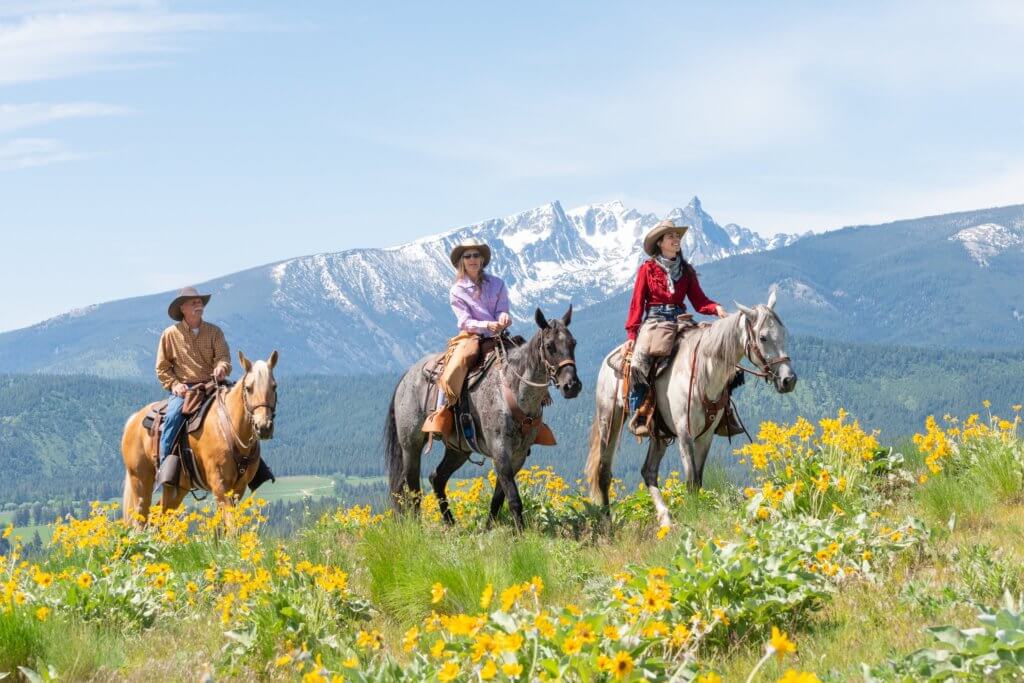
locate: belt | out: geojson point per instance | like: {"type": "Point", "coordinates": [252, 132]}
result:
{"type": "Point", "coordinates": [666, 309]}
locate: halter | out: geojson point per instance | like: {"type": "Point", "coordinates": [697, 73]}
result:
{"type": "Point", "coordinates": [550, 369]}
{"type": "Point", "coordinates": [752, 350]}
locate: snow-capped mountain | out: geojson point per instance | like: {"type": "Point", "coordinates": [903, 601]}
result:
{"type": "Point", "coordinates": [983, 242]}
{"type": "Point", "coordinates": [373, 309]}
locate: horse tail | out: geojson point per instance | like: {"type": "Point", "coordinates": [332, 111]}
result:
{"type": "Point", "coordinates": [127, 498]}
{"type": "Point", "coordinates": [393, 459]}
{"type": "Point", "coordinates": [593, 469]}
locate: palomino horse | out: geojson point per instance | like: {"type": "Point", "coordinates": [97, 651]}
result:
{"type": "Point", "coordinates": [506, 408]}
{"type": "Point", "coordinates": [714, 352]}
{"type": "Point", "coordinates": [239, 418]}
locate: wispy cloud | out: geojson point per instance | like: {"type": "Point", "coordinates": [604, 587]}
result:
{"type": "Point", "coordinates": [19, 116]}
{"type": "Point", "coordinates": [33, 152]}
{"type": "Point", "coordinates": [58, 45]}
{"type": "Point", "coordinates": [54, 39]}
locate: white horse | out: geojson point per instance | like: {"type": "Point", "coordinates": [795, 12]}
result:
{"type": "Point", "coordinates": [714, 352]}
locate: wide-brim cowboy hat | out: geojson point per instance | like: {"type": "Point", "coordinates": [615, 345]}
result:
{"type": "Point", "coordinates": [174, 310]}
{"type": "Point", "coordinates": [471, 243]}
{"type": "Point", "coordinates": [659, 231]}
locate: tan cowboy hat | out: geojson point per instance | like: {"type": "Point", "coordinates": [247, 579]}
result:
{"type": "Point", "coordinates": [174, 310]}
{"type": "Point", "coordinates": [471, 243]}
{"type": "Point", "coordinates": [656, 233]}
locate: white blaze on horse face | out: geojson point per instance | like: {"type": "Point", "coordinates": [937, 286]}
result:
{"type": "Point", "coordinates": [261, 391]}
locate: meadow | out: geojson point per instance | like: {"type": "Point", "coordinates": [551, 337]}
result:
{"type": "Point", "coordinates": [838, 558]}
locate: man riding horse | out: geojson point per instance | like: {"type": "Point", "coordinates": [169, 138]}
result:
{"type": "Point", "coordinates": [191, 353]}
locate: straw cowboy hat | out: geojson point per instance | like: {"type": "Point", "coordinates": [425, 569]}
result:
{"type": "Point", "coordinates": [174, 310]}
{"type": "Point", "coordinates": [658, 231]}
{"type": "Point", "coordinates": [471, 243]}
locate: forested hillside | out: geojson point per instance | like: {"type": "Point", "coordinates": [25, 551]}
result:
{"type": "Point", "coordinates": [60, 436]}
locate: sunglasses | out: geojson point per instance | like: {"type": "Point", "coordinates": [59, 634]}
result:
{"type": "Point", "coordinates": [471, 254]}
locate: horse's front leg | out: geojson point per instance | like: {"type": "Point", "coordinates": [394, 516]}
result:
{"type": "Point", "coordinates": [700, 456]}
{"type": "Point", "coordinates": [497, 500]}
{"type": "Point", "coordinates": [451, 462]}
{"type": "Point", "coordinates": [652, 464]}
{"type": "Point", "coordinates": [687, 450]}
{"type": "Point", "coordinates": [507, 480]}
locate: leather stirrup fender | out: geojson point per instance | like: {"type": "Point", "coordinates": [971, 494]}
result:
{"type": "Point", "coordinates": [545, 437]}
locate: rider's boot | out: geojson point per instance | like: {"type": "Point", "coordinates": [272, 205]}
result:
{"type": "Point", "coordinates": [262, 476]}
{"type": "Point", "coordinates": [170, 470]}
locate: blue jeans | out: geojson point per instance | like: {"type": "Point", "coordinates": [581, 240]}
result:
{"type": "Point", "coordinates": [173, 421]}
{"type": "Point", "coordinates": [667, 312]}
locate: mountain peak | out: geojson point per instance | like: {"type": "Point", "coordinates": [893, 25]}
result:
{"type": "Point", "coordinates": [695, 203]}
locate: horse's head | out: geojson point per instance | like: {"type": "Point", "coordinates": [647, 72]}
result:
{"type": "Point", "coordinates": [259, 393]}
{"type": "Point", "coordinates": [765, 340]}
{"type": "Point", "coordinates": [558, 351]}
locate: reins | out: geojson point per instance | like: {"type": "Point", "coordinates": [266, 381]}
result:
{"type": "Point", "coordinates": [244, 453]}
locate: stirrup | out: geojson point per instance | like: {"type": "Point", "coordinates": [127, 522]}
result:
{"type": "Point", "coordinates": [638, 425]}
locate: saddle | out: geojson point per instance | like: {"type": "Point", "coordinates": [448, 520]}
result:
{"type": "Point", "coordinates": [729, 426]}
{"type": "Point", "coordinates": [198, 401]}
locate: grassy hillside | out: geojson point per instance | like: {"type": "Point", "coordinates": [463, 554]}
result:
{"type": "Point", "coordinates": [60, 436]}
{"type": "Point", "coordinates": [828, 567]}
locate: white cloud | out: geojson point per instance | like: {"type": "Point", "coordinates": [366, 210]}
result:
{"type": "Point", "coordinates": [18, 116]}
{"type": "Point", "coordinates": [32, 152]}
{"type": "Point", "coordinates": [37, 47]}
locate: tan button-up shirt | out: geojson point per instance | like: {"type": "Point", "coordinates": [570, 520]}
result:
{"type": "Point", "coordinates": [190, 358]}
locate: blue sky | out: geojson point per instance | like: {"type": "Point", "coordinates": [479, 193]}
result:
{"type": "Point", "coordinates": [146, 144]}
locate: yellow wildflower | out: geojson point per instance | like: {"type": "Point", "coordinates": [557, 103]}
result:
{"type": "Point", "coordinates": [448, 672]}
{"type": "Point", "coordinates": [485, 597]}
{"type": "Point", "coordinates": [792, 676]}
{"type": "Point", "coordinates": [84, 580]}
{"type": "Point", "coordinates": [42, 613]}
{"type": "Point", "coordinates": [489, 670]}
{"type": "Point", "coordinates": [437, 592]}
{"type": "Point", "coordinates": [513, 669]}
{"type": "Point", "coordinates": [781, 644]}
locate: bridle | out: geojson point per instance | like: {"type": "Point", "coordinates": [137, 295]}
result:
{"type": "Point", "coordinates": [249, 415]}
{"type": "Point", "coordinates": [550, 368]}
{"type": "Point", "coordinates": [752, 350]}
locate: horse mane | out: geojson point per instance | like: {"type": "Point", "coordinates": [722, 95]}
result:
{"type": "Point", "coordinates": [520, 357]}
{"type": "Point", "coordinates": [717, 346]}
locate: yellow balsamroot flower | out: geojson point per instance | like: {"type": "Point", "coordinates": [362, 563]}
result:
{"type": "Point", "coordinates": [411, 639]}
{"type": "Point", "coordinates": [572, 645]}
{"type": "Point", "coordinates": [43, 613]}
{"type": "Point", "coordinates": [485, 597]}
{"type": "Point", "coordinates": [513, 669]}
{"type": "Point", "coordinates": [84, 580]}
{"type": "Point", "coordinates": [792, 676]}
{"type": "Point", "coordinates": [283, 660]}
{"type": "Point", "coordinates": [621, 665]}
{"type": "Point", "coordinates": [663, 532]}
{"type": "Point", "coordinates": [437, 592]}
{"type": "Point", "coordinates": [351, 663]}
{"type": "Point", "coordinates": [370, 641]}
{"type": "Point", "coordinates": [489, 670]}
{"type": "Point", "coordinates": [437, 650]}
{"type": "Point", "coordinates": [448, 672]}
{"type": "Point", "coordinates": [709, 677]}
{"type": "Point", "coordinates": [545, 627]}
{"type": "Point", "coordinates": [680, 634]}
{"type": "Point", "coordinates": [781, 644]}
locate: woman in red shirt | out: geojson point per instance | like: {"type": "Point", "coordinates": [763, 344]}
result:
{"type": "Point", "coordinates": [663, 283]}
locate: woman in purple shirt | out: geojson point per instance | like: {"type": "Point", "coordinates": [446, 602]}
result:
{"type": "Point", "coordinates": [480, 303]}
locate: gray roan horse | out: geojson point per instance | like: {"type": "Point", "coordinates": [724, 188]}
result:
{"type": "Point", "coordinates": [714, 352]}
{"type": "Point", "coordinates": [549, 357]}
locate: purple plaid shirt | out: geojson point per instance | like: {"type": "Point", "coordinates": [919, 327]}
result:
{"type": "Point", "coordinates": [474, 313]}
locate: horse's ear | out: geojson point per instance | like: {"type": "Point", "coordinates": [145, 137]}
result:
{"type": "Point", "coordinates": [749, 312]}
{"type": "Point", "coordinates": [542, 322]}
{"type": "Point", "coordinates": [772, 295]}
{"type": "Point", "coordinates": [567, 318]}
{"type": "Point", "coordinates": [272, 361]}
{"type": "Point", "coordinates": [246, 363]}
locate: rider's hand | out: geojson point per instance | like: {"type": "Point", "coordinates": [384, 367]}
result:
{"type": "Point", "coordinates": [504, 320]}
{"type": "Point", "coordinates": [720, 312]}
{"type": "Point", "coordinates": [494, 327]}
{"type": "Point", "coordinates": [179, 389]}
{"type": "Point", "coordinates": [219, 373]}
{"type": "Point", "coordinates": [629, 345]}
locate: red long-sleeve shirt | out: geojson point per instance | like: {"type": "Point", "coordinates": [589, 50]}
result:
{"type": "Point", "coordinates": [651, 289]}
